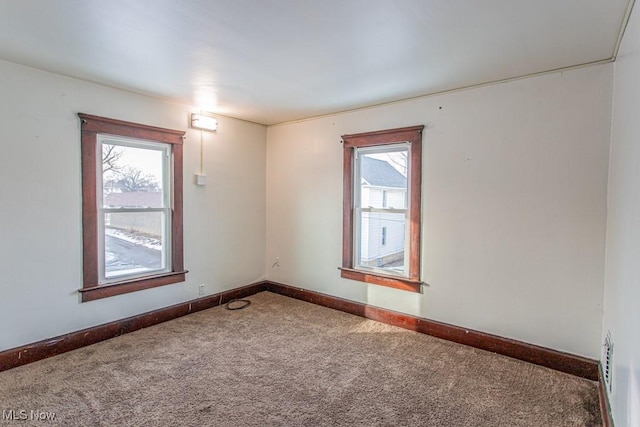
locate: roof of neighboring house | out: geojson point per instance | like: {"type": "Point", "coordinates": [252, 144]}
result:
{"type": "Point", "coordinates": [380, 173]}
{"type": "Point", "coordinates": [148, 199]}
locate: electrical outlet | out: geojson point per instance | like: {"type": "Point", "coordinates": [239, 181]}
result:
{"type": "Point", "coordinates": [201, 290]}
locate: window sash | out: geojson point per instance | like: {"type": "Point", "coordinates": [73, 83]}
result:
{"type": "Point", "coordinates": [382, 210]}
{"type": "Point", "coordinates": [359, 153]}
{"type": "Point", "coordinates": [133, 210]}
{"type": "Point", "coordinates": [167, 191]}
{"type": "Point", "coordinates": [357, 240]}
{"type": "Point", "coordinates": [104, 278]}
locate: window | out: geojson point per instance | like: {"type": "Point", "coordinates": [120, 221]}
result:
{"type": "Point", "coordinates": [131, 207]}
{"type": "Point", "coordinates": [382, 197]}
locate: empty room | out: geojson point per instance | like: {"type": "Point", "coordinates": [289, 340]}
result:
{"type": "Point", "coordinates": [296, 212]}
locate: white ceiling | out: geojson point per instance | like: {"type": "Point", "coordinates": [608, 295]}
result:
{"type": "Point", "coordinates": [272, 61]}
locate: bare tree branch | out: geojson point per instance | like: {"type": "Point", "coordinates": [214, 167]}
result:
{"type": "Point", "coordinates": [402, 163]}
{"type": "Point", "coordinates": [134, 180]}
{"type": "Point", "coordinates": [110, 157]}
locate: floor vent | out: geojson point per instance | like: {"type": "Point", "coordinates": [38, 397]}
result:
{"type": "Point", "coordinates": [607, 360]}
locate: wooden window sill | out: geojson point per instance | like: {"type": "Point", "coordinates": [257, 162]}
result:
{"type": "Point", "coordinates": [132, 285]}
{"type": "Point", "coordinates": [403, 283]}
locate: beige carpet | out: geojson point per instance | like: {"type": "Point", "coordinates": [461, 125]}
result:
{"type": "Point", "coordinates": [289, 363]}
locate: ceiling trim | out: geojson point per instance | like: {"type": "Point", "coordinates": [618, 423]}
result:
{"type": "Point", "coordinates": [623, 28]}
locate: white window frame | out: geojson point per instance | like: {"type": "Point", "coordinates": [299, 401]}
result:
{"type": "Point", "coordinates": [359, 152]}
{"type": "Point", "coordinates": [167, 203]}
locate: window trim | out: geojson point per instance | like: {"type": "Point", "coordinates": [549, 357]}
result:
{"type": "Point", "coordinates": [91, 127]}
{"type": "Point", "coordinates": [412, 135]}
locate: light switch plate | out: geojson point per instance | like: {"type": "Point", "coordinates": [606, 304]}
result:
{"type": "Point", "coordinates": [201, 179]}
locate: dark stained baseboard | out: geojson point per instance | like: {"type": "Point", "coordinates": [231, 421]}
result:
{"type": "Point", "coordinates": [50, 347]}
{"type": "Point", "coordinates": [553, 359]}
{"type": "Point", "coordinates": [560, 361]}
{"type": "Point", "coordinates": [605, 406]}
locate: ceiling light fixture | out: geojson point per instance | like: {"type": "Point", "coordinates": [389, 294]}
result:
{"type": "Point", "coordinates": [201, 121]}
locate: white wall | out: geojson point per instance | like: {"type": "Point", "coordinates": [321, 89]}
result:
{"type": "Point", "coordinates": [622, 286]}
{"type": "Point", "coordinates": [40, 205]}
{"type": "Point", "coordinates": [514, 206]}
{"type": "Point", "coordinates": [513, 215]}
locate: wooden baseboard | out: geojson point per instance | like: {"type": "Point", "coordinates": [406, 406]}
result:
{"type": "Point", "coordinates": [553, 359]}
{"type": "Point", "coordinates": [50, 347]}
{"type": "Point", "coordinates": [605, 406]}
{"type": "Point", "coordinates": [564, 362]}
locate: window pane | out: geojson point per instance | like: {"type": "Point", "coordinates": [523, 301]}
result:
{"type": "Point", "coordinates": [381, 241]}
{"type": "Point", "coordinates": [383, 180]}
{"type": "Point", "coordinates": [382, 185]}
{"type": "Point", "coordinates": [132, 176]}
{"type": "Point", "coordinates": [134, 243]}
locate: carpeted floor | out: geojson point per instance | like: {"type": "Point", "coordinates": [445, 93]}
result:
{"type": "Point", "coordinates": [284, 362]}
